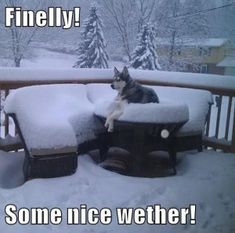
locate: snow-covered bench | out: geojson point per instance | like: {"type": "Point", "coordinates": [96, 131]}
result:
{"type": "Point", "coordinates": [56, 120]}
{"type": "Point", "coordinates": [52, 120]}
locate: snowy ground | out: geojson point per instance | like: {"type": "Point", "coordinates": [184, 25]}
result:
{"type": "Point", "coordinates": [45, 59]}
{"type": "Point", "coordinates": [50, 59]}
{"type": "Point", "coordinates": [205, 179]}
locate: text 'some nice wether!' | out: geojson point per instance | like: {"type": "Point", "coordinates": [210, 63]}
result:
{"type": "Point", "coordinates": [152, 215]}
{"type": "Point", "coordinates": [53, 17]}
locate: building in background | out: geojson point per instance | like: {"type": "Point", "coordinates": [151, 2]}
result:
{"type": "Point", "coordinates": [228, 63]}
{"type": "Point", "coordinates": [212, 55]}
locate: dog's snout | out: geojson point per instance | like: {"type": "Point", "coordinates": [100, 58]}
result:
{"type": "Point", "coordinates": [112, 85]}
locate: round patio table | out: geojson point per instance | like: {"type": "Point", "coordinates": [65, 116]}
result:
{"type": "Point", "coordinates": [139, 139]}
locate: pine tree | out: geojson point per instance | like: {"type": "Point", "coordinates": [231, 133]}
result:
{"type": "Point", "coordinates": [145, 54]}
{"type": "Point", "coordinates": [91, 51]}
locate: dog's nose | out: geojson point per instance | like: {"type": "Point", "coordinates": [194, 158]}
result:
{"type": "Point", "coordinates": [112, 86]}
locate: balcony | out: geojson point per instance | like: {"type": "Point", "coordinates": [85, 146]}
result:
{"type": "Point", "coordinates": [220, 127]}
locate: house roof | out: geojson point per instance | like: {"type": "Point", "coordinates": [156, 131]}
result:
{"type": "Point", "coordinates": [227, 62]}
{"type": "Point", "coordinates": [194, 42]}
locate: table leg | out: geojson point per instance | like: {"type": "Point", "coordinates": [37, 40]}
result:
{"type": "Point", "coordinates": [137, 150]}
{"type": "Point", "coordinates": [172, 154]}
{"type": "Point", "coordinates": [104, 145]}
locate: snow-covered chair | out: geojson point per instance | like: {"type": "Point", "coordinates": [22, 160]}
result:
{"type": "Point", "coordinates": [52, 120]}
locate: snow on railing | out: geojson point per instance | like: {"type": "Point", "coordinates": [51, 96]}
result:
{"type": "Point", "coordinates": [220, 129]}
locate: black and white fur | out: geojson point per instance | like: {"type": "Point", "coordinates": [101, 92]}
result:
{"type": "Point", "coordinates": [129, 91]}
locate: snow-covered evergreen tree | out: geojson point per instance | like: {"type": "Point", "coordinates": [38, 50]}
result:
{"type": "Point", "coordinates": [145, 54]}
{"type": "Point", "coordinates": [91, 51]}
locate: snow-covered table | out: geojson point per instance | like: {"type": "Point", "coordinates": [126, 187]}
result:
{"type": "Point", "coordinates": [189, 137]}
{"type": "Point", "coordinates": [143, 128]}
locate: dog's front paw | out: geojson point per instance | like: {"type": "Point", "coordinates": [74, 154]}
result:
{"type": "Point", "coordinates": [106, 125]}
{"type": "Point", "coordinates": [110, 129]}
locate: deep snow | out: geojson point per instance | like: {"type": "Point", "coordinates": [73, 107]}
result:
{"type": "Point", "coordinates": [68, 119]}
{"type": "Point", "coordinates": [205, 179]}
{"type": "Point", "coordinates": [166, 112]}
{"type": "Point", "coordinates": [53, 116]}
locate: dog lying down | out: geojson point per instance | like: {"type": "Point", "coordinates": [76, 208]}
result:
{"type": "Point", "coordinates": [129, 91]}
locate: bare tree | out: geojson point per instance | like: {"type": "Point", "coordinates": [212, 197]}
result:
{"type": "Point", "coordinates": [120, 14]}
{"type": "Point", "coordinates": [146, 9]}
{"type": "Point", "coordinates": [222, 20]}
{"type": "Point", "coordinates": [20, 38]}
{"type": "Point", "coordinates": [127, 18]}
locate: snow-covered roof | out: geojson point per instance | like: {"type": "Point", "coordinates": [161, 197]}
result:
{"type": "Point", "coordinates": [194, 42]}
{"type": "Point", "coordinates": [227, 62]}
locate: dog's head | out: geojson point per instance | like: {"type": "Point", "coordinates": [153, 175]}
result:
{"type": "Point", "coordinates": [120, 79]}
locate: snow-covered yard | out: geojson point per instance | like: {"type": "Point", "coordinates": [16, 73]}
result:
{"type": "Point", "coordinates": [205, 179]}
{"type": "Point", "coordinates": [44, 58]}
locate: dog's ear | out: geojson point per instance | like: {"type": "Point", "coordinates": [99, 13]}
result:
{"type": "Point", "coordinates": [125, 72]}
{"type": "Point", "coordinates": [116, 71]}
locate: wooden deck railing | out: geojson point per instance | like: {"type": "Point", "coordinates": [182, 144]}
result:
{"type": "Point", "coordinates": [219, 132]}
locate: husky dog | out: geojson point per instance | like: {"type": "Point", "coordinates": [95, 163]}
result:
{"type": "Point", "coordinates": [129, 91]}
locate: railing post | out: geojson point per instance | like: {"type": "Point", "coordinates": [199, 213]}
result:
{"type": "Point", "coordinates": [233, 134]}
{"type": "Point", "coordinates": [6, 117]}
{"type": "Point", "coordinates": [0, 111]}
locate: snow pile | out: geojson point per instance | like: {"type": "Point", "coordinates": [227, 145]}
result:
{"type": "Point", "coordinates": [53, 116]}
{"type": "Point", "coordinates": [204, 179]}
{"type": "Point", "coordinates": [147, 113]}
